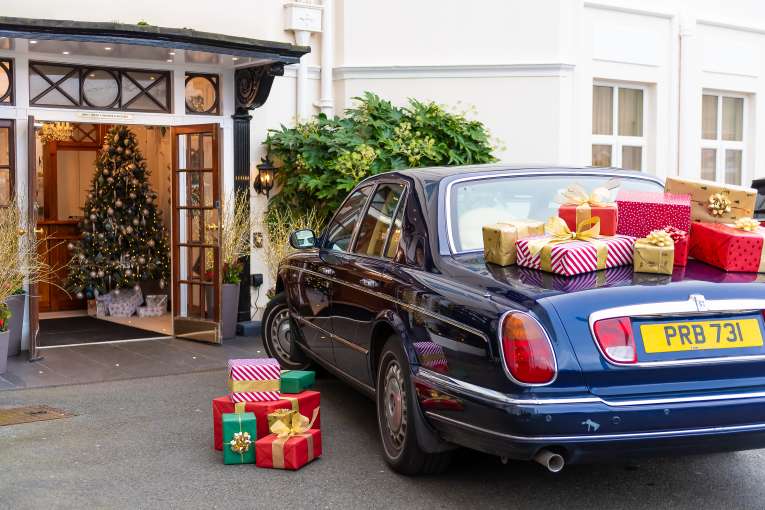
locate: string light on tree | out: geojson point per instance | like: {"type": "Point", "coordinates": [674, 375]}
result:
{"type": "Point", "coordinates": [116, 245]}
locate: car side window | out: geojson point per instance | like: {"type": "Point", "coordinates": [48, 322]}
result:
{"type": "Point", "coordinates": [378, 219]}
{"type": "Point", "coordinates": [340, 231]}
{"type": "Point", "coordinates": [395, 231]}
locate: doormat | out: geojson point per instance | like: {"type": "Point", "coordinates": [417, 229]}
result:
{"type": "Point", "coordinates": [28, 414]}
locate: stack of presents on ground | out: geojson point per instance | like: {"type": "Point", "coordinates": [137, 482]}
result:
{"type": "Point", "coordinates": [126, 303]}
{"type": "Point", "coordinates": [651, 231]}
{"type": "Point", "coordinates": [270, 417]}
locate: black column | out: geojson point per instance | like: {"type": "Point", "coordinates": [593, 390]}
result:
{"type": "Point", "coordinates": [242, 183]}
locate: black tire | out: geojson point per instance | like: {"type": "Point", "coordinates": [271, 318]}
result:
{"type": "Point", "coordinates": [395, 411]}
{"type": "Point", "coordinates": [277, 328]}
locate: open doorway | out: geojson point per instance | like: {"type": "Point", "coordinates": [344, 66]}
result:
{"type": "Point", "coordinates": [68, 172]}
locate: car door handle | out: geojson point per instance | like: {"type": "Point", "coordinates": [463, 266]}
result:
{"type": "Point", "coordinates": [368, 282]}
{"type": "Point", "coordinates": [327, 271]}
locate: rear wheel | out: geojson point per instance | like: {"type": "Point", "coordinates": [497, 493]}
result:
{"type": "Point", "coordinates": [277, 330]}
{"type": "Point", "coordinates": [395, 413]}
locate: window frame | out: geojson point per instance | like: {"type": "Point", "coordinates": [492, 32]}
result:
{"type": "Point", "coordinates": [615, 140]}
{"type": "Point", "coordinates": [9, 65]}
{"type": "Point", "coordinates": [10, 124]}
{"type": "Point", "coordinates": [367, 205]}
{"type": "Point", "coordinates": [352, 242]}
{"type": "Point", "coordinates": [80, 73]}
{"type": "Point", "coordinates": [718, 144]}
{"type": "Point", "coordinates": [214, 80]}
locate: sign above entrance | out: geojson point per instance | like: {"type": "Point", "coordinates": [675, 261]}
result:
{"type": "Point", "coordinates": [104, 116]}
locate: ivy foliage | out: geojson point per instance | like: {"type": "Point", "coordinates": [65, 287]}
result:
{"type": "Point", "coordinates": [324, 158]}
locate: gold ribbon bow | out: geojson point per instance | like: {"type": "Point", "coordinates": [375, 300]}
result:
{"type": "Point", "coordinates": [577, 195]}
{"type": "Point", "coordinates": [719, 204]}
{"type": "Point", "coordinates": [660, 238]}
{"type": "Point", "coordinates": [298, 427]}
{"type": "Point", "coordinates": [241, 442]}
{"type": "Point", "coordinates": [748, 224]}
{"type": "Point", "coordinates": [558, 233]}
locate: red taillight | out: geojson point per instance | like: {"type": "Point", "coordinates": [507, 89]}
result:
{"type": "Point", "coordinates": [527, 352]}
{"type": "Point", "coordinates": [616, 340]}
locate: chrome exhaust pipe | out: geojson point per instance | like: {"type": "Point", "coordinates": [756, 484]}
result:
{"type": "Point", "coordinates": [554, 462]}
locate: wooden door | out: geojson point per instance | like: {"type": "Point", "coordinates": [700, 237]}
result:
{"type": "Point", "coordinates": [196, 243]}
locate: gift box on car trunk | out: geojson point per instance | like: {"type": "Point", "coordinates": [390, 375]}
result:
{"type": "Point", "coordinates": [642, 212]}
{"type": "Point", "coordinates": [499, 239]}
{"type": "Point", "coordinates": [577, 204]}
{"type": "Point", "coordinates": [729, 248]}
{"type": "Point", "coordinates": [304, 402]}
{"type": "Point", "coordinates": [712, 202]}
{"type": "Point", "coordinates": [568, 253]}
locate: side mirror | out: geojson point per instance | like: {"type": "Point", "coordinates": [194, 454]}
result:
{"type": "Point", "coordinates": [302, 239]}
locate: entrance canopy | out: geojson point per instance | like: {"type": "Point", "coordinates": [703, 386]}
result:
{"type": "Point", "coordinates": [144, 42]}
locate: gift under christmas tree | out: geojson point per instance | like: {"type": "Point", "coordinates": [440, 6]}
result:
{"type": "Point", "coordinates": [123, 238]}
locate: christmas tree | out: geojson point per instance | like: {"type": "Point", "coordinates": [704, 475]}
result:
{"type": "Point", "coordinates": [123, 238]}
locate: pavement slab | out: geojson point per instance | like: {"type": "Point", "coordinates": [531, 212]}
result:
{"type": "Point", "coordinates": [147, 443]}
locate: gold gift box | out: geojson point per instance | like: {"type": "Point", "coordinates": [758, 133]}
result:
{"type": "Point", "coordinates": [742, 199]}
{"type": "Point", "coordinates": [499, 239]}
{"type": "Point", "coordinates": [650, 258]}
{"type": "Point", "coordinates": [282, 415]}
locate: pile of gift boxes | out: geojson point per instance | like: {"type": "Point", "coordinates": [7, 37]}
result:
{"type": "Point", "coordinates": [270, 417]}
{"type": "Point", "coordinates": [652, 231]}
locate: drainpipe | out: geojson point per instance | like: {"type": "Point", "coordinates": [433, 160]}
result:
{"type": "Point", "coordinates": [303, 19]}
{"type": "Point", "coordinates": [327, 101]}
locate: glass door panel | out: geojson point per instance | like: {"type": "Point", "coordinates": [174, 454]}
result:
{"type": "Point", "coordinates": [196, 247]}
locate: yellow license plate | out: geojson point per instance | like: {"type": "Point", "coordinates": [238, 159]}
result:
{"type": "Point", "coordinates": [701, 335]}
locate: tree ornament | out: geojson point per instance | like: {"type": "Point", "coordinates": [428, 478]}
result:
{"type": "Point", "coordinates": [148, 200]}
{"type": "Point", "coordinates": [133, 195]}
{"type": "Point", "coordinates": [145, 212]}
{"type": "Point", "coordinates": [162, 283]}
{"type": "Point", "coordinates": [119, 150]}
{"type": "Point", "coordinates": [118, 203]}
{"type": "Point", "coordinates": [116, 292]}
{"type": "Point", "coordinates": [92, 274]}
{"type": "Point", "coordinates": [150, 242]}
{"type": "Point", "coordinates": [70, 246]}
{"type": "Point", "coordinates": [105, 171]}
{"type": "Point", "coordinates": [110, 211]}
{"type": "Point", "coordinates": [110, 180]}
{"type": "Point", "coordinates": [142, 260]}
{"type": "Point", "coordinates": [135, 221]}
{"type": "Point", "coordinates": [80, 295]}
{"type": "Point", "coordinates": [101, 273]}
{"type": "Point", "coordinates": [129, 229]}
{"type": "Point", "coordinates": [137, 287]}
{"type": "Point", "coordinates": [93, 217]}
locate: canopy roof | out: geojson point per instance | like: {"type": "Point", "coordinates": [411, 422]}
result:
{"type": "Point", "coordinates": [144, 42]}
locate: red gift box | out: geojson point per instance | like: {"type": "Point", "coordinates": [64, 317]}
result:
{"type": "Point", "coordinates": [288, 453]}
{"type": "Point", "coordinates": [575, 214]}
{"type": "Point", "coordinates": [728, 248]}
{"type": "Point", "coordinates": [642, 212]}
{"type": "Point", "coordinates": [306, 402]}
{"type": "Point", "coordinates": [680, 237]}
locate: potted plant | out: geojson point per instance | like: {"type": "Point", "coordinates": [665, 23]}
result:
{"type": "Point", "coordinates": [22, 261]}
{"type": "Point", "coordinates": [235, 244]}
{"type": "Point", "coordinates": [16, 304]}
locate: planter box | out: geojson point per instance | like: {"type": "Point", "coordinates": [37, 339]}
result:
{"type": "Point", "coordinates": [17, 305]}
{"type": "Point", "coordinates": [229, 309]}
{"type": "Point", "coordinates": [4, 337]}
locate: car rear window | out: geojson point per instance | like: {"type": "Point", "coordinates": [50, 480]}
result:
{"type": "Point", "coordinates": [478, 202]}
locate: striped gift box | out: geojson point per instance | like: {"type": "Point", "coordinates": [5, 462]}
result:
{"type": "Point", "coordinates": [578, 257]}
{"type": "Point", "coordinates": [254, 380]}
{"type": "Point", "coordinates": [431, 356]}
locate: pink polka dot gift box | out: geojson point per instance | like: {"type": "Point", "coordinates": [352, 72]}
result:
{"type": "Point", "coordinates": [642, 212]}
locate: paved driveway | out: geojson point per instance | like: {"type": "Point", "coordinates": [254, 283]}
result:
{"type": "Point", "coordinates": [147, 443]}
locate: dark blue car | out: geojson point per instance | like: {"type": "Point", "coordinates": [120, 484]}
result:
{"type": "Point", "coordinates": [395, 298]}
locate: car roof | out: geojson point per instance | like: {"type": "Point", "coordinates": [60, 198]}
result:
{"type": "Point", "coordinates": [439, 173]}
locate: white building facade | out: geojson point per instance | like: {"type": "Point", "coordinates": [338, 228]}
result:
{"type": "Point", "coordinates": [667, 87]}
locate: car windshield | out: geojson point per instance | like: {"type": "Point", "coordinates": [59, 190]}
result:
{"type": "Point", "coordinates": [479, 202]}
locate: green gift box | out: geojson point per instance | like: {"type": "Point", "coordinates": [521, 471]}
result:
{"type": "Point", "coordinates": [239, 435]}
{"type": "Point", "coordinates": [295, 381]}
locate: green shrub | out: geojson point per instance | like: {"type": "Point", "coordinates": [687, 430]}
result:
{"type": "Point", "coordinates": [323, 159]}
